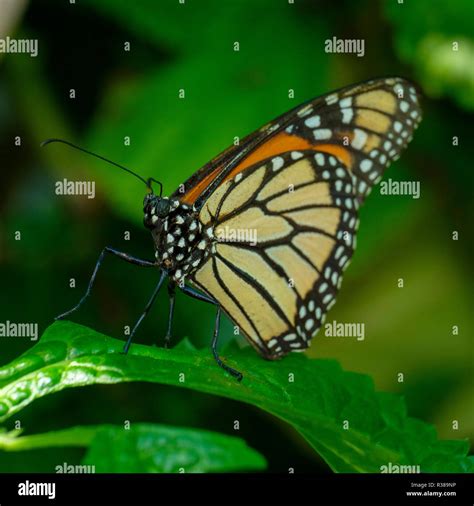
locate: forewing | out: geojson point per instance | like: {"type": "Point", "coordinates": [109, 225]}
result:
{"type": "Point", "coordinates": [366, 126]}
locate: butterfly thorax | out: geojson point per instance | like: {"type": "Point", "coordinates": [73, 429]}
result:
{"type": "Point", "coordinates": [181, 243]}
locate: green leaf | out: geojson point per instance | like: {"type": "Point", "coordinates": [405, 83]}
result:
{"type": "Point", "coordinates": [74, 436]}
{"type": "Point", "coordinates": [440, 45]}
{"type": "Point", "coordinates": [146, 448]}
{"type": "Point", "coordinates": [350, 425]}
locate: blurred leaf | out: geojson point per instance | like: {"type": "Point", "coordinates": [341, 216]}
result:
{"type": "Point", "coordinates": [184, 28]}
{"type": "Point", "coordinates": [39, 110]}
{"type": "Point", "coordinates": [227, 93]}
{"type": "Point", "coordinates": [146, 448]}
{"type": "Point", "coordinates": [74, 436]}
{"type": "Point", "coordinates": [315, 396]}
{"type": "Point", "coordinates": [175, 25]}
{"type": "Point", "coordinates": [426, 34]}
{"type": "Point", "coordinates": [447, 72]}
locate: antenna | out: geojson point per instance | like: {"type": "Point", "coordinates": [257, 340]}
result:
{"type": "Point", "coordinates": [70, 144]}
{"type": "Point", "coordinates": [153, 180]}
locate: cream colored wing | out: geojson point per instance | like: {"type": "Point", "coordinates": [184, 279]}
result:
{"type": "Point", "coordinates": [284, 217]}
{"type": "Point", "coordinates": [284, 232]}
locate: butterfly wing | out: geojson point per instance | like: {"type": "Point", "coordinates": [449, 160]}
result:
{"type": "Point", "coordinates": [365, 125]}
{"type": "Point", "coordinates": [293, 195]}
{"type": "Point", "coordinates": [282, 274]}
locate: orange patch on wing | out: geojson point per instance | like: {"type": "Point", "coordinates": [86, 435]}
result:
{"type": "Point", "coordinates": [191, 196]}
{"type": "Point", "coordinates": [340, 152]}
{"type": "Point", "coordinates": [280, 143]}
{"type": "Point", "coordinates": [276, 145]}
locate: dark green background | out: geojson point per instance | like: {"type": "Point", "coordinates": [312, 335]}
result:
{"type": "Point", "coordinates": [230, 94]}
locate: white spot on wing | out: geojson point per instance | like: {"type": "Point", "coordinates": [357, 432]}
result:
{"type": "Point", "coordinates": [331, 99]}
{"type": "Point", "coordinates": [313, 122]}
{"type": "Point", "coordinates": [319, 157]}
{"type": "Point", "coordinates": [359, 138]}
{"type": "Point", "coordinates": [295, 155]}
{"type": "Point", "coordinates": [308, 109]}
{"type": "Point", "coordinates": [347, 115]}
{"type": "Point", "coordinates": [322, 133]}
{"type": "Point", "coordinates": [277, 162]}
{"type": "Point", "coordinates": [366, 165]}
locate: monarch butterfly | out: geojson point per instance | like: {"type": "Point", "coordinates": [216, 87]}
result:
{"type": "Point", "coordinates": [298, 183]}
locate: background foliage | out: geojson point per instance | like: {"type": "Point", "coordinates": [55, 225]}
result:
{"type": "Point", "coordinates": [231, 93]}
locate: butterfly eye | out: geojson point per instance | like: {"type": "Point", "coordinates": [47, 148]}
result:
{"type": "Point", "coordinates": [162, 207]}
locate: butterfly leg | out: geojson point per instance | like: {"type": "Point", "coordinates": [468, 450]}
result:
{"type": "Point", "coordinates": [123, 256]}
{"type": "Point", "coordinates": [238, 375]}
{"type": "Point", "coordinates": [200, 296]}
{"type": "Point", "coordinates": [171, 293]}
{"type": "Point", "coordinates": [145, 312]}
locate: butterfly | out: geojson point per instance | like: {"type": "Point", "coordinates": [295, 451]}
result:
{"type": "Point", "coordinates": [294, 187]}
